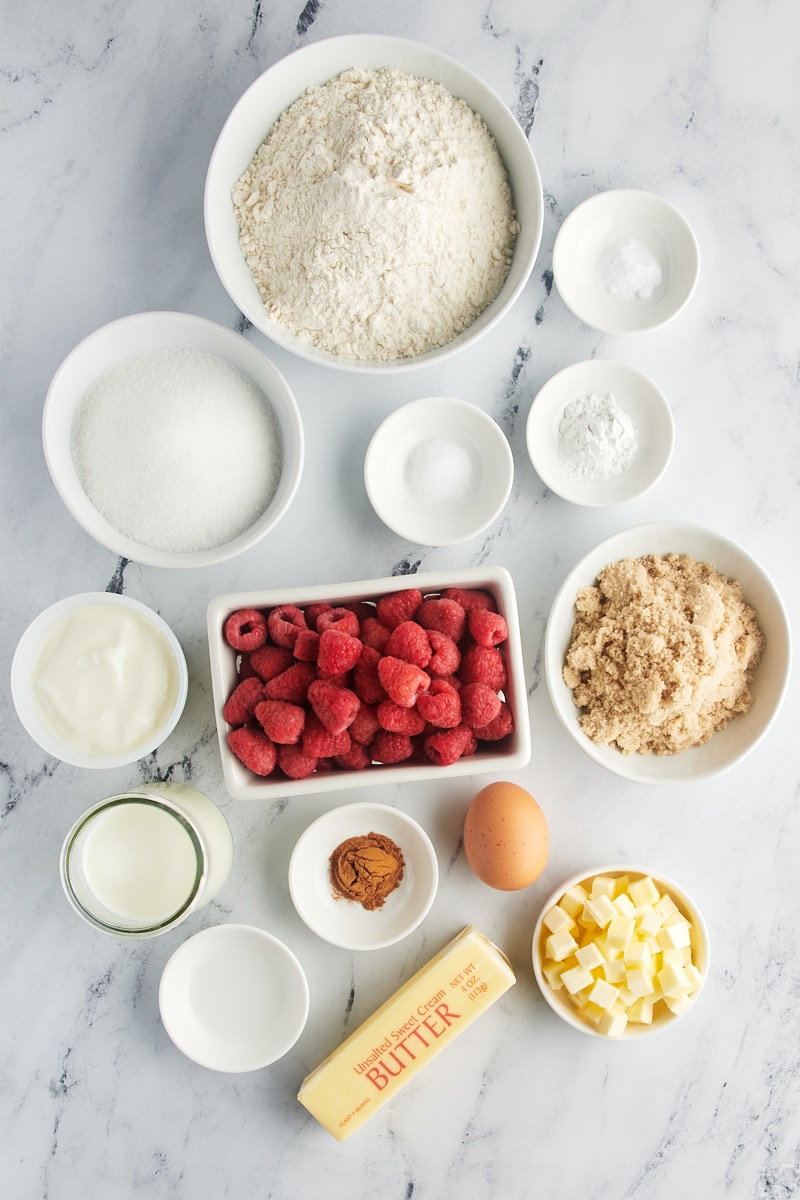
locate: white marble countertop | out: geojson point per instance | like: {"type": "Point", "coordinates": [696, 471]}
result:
{"type": "Point", "coordinates": [110, 112]}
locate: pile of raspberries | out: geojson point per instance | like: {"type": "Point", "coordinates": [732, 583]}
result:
{"type": "Point", "coordinates": [405, 678]}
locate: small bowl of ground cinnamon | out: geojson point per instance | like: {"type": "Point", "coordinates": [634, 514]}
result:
{"type": "Point", "coordinates": [363, 876]}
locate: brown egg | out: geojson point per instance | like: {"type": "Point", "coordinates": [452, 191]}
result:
{"type": "Point", "coordinates": [506, 839]}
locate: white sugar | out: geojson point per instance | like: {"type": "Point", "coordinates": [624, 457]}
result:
{"type": "Point", "coordinates": [440, 471]}
{"type": "Point", "coordinates": [177, 449]}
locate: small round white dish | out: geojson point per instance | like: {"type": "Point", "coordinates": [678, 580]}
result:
{"type": "Point", "coordinates": [662, 1018]}
{"type": "Point", "coordinates": [438, 471]}
{"type": "Point", "coordinates": [233, 998]}
{"type": "Point", "coordinates": [30, 712]}
{"type": "Point", "coordinates": [346, 923]}
{"type": "Point", "coordinates": [770, 681]}
{"type": "Point", "coordinates": [636, 396]}
{"type": "Point", "coordinates": [631, 227]}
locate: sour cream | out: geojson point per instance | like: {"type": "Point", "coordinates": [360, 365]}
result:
{"type": "Point", "coordinates": [105, 680]}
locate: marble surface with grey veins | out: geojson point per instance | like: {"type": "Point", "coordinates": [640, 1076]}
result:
{"type": "Point", "coordinates": [109, 115]}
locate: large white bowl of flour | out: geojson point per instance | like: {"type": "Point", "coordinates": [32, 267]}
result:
{"type": "Point", "coordinates": [389, 177]}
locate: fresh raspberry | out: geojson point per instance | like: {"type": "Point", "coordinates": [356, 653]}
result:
{"type": "Point", "coordinates": [365, 725]}
{"type": "Point", "coordinates": [338, 652]}
{"type": "Point", "coordinates": [245, 667]}
{"type": "Point", "coordinates": [292, 684]}
{"type": "Point", "coordinates": [500, 727]}
{"type": "Point", "coordinates": [409, 641]}
{"type": "Point", "coordinates": [390, 747]}
{"type": "Point", "coordinates": [269, 661]}
{"type": "Point", "coordinates": [246, 629]}
{"type": "Point", "coordinates": [403, 681]}
{"type": "Point", "coordinates": [446, 657]}
{"type": "Point", "coordinates": [284, 624]}
{"type": "Point", "coordinates": [335, 706]}
{"type": "Point", "coordinates": [294, 763]}
{"type": "Point", "coordinates": [362, 609]}
{"type": "Point", "coordinates": [397, 607]}
{"type": "Point", "coordinates": [375, 633]}
{"type": "Point", "coordinates": [253, 749]}
{"type": "Point", "coordinates": [319, 742]}
{"type": "Point", "coordinates": [366, 683]}
{"type": "Point", "coordinates": [488, 628]}
{"type": "Point", "coordinates": [441, 706]}
{"type": "Point", "coordinates": [446, 616]}
{"type": "Point", "coordinates": [342, 619]}
{"type": "Point", "coordinates": [281, 721]}
{"type": "Point", "coordinates": [306, 646]}
{"type": "Point", "coordinates": [356, 758]}
{"type": "Point", "coordinates": [397, 719]}
{"type": "Point", "coordinates": [483, 664]}
{"type": "Point", "coordinates": [241, 704]}
{"type": "Point", "coordinates": [447, 747]}
{"type": "Point", "coordinates": [479, 704]}
{"type": "Point", "coordinates": [312, 613]}
{"type": "Point", "coordinates": [469, 598]}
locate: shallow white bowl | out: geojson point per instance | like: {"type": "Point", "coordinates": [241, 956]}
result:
{"type": "Point", "coordinates": [589, 235]}
{"type": "Point", "coordinates": [514, 751]}
{"type": "Point", "coordinates": [265, 100]}
{"type": "Point", "coordinates": [560, 1001]}
{"type": "Point", "coordinates": [233, 998]}
{"type": "Point", "coordinates": [438, 518]}
{"type": "Point", "coordinates": [120, 339]}
{"type": "Point", "coordinates": [637, 396]}
{"type": "Point", "coordinates": [24, 662]}
{"type": "Point", "coordinates": [730, 745]}
{"type": "Point", "coordinates": [346, 923]}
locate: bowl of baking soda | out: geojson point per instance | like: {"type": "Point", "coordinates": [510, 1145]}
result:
{"type": "Point", "coordinates": [172, 440]}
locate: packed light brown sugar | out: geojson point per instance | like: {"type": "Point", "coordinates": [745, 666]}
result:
{"type": "Point", "coordinates": [662, 654]}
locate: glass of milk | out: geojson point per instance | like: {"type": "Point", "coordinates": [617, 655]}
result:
{"type": "Point", "coordinates": [137, 864]}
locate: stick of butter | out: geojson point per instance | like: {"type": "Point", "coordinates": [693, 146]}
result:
{"type": "Point", "coordinates": [404, 1034]}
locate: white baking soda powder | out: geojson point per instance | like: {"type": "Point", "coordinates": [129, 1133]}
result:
{"type": "Point", "coordinates": [596, 439]}
{"type": "Point", "coordinates": [631, 271]}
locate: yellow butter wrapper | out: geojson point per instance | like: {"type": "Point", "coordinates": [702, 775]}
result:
{"type": "Point", "coordinates": [404, 1034]}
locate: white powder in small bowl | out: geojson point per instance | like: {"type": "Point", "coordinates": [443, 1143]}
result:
{"type": "Point", "coordinates": [596, 439]}
{"type": "Point", "coordinates": [440, 471]}
{"type": "Point", "coordinates": [631, 271]}
{"type": "Point", "coordinates": [177, 449]}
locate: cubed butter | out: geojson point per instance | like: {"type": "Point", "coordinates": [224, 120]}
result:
{"type": "Point", "coordinates": [600, 909]}
{"type": "Point", "coordinates": [589, 956]}
{"type": "Point", "coordinates": [603, 993]}
{"type": "Point", "coordinates": [557, 918]}
{"type": "Point", "coordinates": [574, 899]}
{"type": "Point", "coordinates": [393, 1045]}
{"type": "Point", "coordinates": [560, 945]}
{"type": "Point", "coordinates": [643, 891]}
{"type": "Point", "coordinates": [603, 885]}
{"type": "Point", "coordinates": [576, 978]}
{"type": "Point", "coordinates": [620, 932]}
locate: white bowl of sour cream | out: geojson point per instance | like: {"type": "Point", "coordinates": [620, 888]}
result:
{"type": "Point", "coordinates": [99, 680]}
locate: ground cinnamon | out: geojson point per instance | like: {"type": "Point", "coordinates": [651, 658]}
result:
{"type": "Point", "coordinates": [367, 869]}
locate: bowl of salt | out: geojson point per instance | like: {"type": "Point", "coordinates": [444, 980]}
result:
{"type": "Point", "coordinates": [438, 471]}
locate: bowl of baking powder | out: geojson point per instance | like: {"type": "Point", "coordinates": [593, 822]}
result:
{"type": "Point", "coordinates": [371, 204]}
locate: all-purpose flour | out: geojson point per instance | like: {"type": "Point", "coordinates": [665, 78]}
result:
{"type": "Point", "coordinates": [376, 218]}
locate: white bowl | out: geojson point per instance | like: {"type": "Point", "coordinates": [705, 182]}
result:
{"type": "Point", "coordinates": [663, 1018]}
{"type": "Point", "coordinates": [743, 733]}
{"type": "Point", "coordinates": [637, 397]}
{"type": "Point", "coordinates": [592, 234]}
{"type": "Point", "coordinates": [438, 471]}
{"type": "Point", "coordinates": [135, 334]}
{"type": "Point", "coordinates": [23, 683]}
{"type": "Point", "coordinates": [265, 100]}
{"type": "Point", "coordinates": [233, 998]}
{"type": "Point", "coordinates": [499, 757]}
{"type": "Point", "coordinates": [346, 923]}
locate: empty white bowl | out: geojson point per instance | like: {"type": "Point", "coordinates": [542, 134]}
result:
{"type": "Point", "coordinates": [128, 336]}
{"type": "Point", "coordinates": [636, 396]}
{"type": "Point", "coordinates": [271, 93]}
{"type": "Point", "coordinates": [610, 228]}
{"type": "Point", "coordinates": [559, 998]}
{"type": "Point", "coordinates": [743, 733]}
{"type": "Point", "coordinates": [346, 923]}
{"type": "Point", "coordinates": [233, 998]}
{"type": "Point", "coordinates": [438, 471]}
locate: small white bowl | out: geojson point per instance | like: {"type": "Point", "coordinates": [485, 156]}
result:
{"type": "Point", "coordinates": [346, 923]}
{"type": "Point", "coordinates": [770, 679]}
{"type": "Point", "coordinates": [438, 471]}
{"type": "Point", "coordinates": [499, 757]}
{"type": "Point", "coordinates": [264, 101]}
{"type": "Point", "coordinates": [663, 1018]}
{"type": "Point", "coordinates": [23, 684]}
{"type": "Point", "coordinates": [636, 396]}
{"type": "Point", "coordinates": [233, 998]}
{"type": "Point", "coordinates": [135, 334]}
{"type": "Point", "coordinates": [593, 233]}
